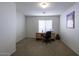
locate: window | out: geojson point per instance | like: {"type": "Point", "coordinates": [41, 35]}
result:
{"type": "Point", "coordinates": [70, 23]}
{"type": "Point", "coordinates": [45, 25]}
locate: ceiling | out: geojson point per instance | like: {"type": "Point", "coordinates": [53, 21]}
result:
{"type": "Point", "coordinates": [33, 8]}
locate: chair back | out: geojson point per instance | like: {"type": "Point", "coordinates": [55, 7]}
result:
{"type": "Point", "coordinates": [48, 34]}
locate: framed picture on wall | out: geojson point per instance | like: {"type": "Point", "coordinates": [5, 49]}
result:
{"type": "Point", "coordinates": [70, 21]}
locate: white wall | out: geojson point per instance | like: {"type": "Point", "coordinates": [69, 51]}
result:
{"type": "Point", "coordinates": [7, 28]}
{"type": "Point", "coordinates": [32, 24]}
{"type": "Point", "coordinates": [20, 28]}
{"type": "Point", "coordinates": [70, 36]}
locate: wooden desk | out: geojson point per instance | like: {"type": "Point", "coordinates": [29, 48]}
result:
{"type": "Point", "coordinates": [39, 37]}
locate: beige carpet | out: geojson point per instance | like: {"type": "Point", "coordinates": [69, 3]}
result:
{"type": "Point", "coordinates": [31, 47]}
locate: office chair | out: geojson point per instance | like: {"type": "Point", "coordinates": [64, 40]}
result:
{"type": "Point", "coordinates": [47, 37]}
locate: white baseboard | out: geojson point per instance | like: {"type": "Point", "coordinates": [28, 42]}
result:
{"type": "Point", "coordinates": [12, 52]}
{"type": "Point", "coordinates": [7, 53]}
{"type": "Point", "coordinates": [20, 40]}
{"type": "Point", "coordinates": [4, 54]}
{"type": "Point", "coordinates": [70, 47]}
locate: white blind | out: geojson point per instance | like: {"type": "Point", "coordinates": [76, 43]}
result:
{"type": "Point", "coordinates": [45, 25]}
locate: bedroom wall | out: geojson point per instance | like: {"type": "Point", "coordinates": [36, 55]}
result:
{"type": "Point", "coordinates": [32, 24]}
{"type": "Point", "coordinates": [20, 26]}
{"type": "Point", "coordinates": [7, 28]}
{"type": "Point", "coordinates": [70, 36]}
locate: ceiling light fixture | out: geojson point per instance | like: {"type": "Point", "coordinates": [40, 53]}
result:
{"type": "Point", "coordinates": [44, 5]}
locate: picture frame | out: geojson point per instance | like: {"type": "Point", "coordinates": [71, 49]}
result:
{"type": "Point", "coordinates": [70, 22]}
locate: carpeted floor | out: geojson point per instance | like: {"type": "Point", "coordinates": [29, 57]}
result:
{"type": "Point", "coordinates": [31, 47]}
